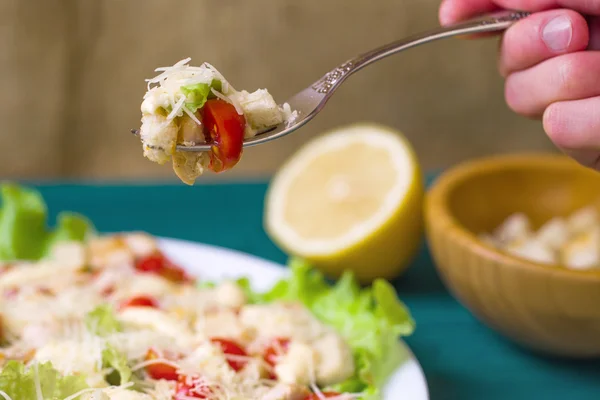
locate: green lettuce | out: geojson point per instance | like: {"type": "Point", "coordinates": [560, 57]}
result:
{"type": "Point", "coordinates": [24, 234]}
{"type": "Point", "coordinates": [19, 382]}
{"type": "Point", "coordinates": [370, 319]}
{"type": "Point", "coordinates": [101, 321]}
{"type": "Point", "coordinates": [198, 93]}
{"type": "Point", "coordinates": [112, 358]}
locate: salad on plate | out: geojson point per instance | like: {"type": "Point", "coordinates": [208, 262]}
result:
{"type": "Point", "coordinates": [187, 105]}
{"type": "Point", "coordinates": [110, 317]}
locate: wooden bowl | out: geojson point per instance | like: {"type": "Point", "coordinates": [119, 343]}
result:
{"type": "Point", "coordinates": [546, 308]}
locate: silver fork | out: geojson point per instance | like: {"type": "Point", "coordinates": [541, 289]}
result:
{"type": "Point", "coordinates": [310, 101]}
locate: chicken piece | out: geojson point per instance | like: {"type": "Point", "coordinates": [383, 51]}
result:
{"type": "Point", "coordinates": [255, 369]}
{"type": "Point", "coordinates": [144, 284]}
{"type": "Point", "coordinates": [157, 320]}
{"type": "Point", "coordinates": [533, 250]}
{"type": "Point", "coordinates": [109, 251]}
{"type": "Point", "coordinates": [297, 365]}
{"type": "Point", "coordinates": [553, 234]}
{"type": "Point", "coordinates": [583, 220]}
{"type": "Point", "coordinates": [335, 362]}
{"type": "Point", "coordinates": [282, 320]}
{"type": "Point", "coordinates": [75, 356]}
{"type": "Point", "coordinates": [260, 109]}
{"type": "Point", "coordinates": [126, 394]}
{"type": "Point", "coordinates": [223, 323]}
{"type": "Point", "coordinates": [515, 228]}
{"type": "Point", "coordinates": [140, 244]}
{"type": "Point", "coordinates": [190, 165]}
{"type": "Point", "coordinates": [286, 392]}
{"type": "Point", "coordinates": [230, 294]}
{"type": "Point", "coordinates": [583, 252]}
{"type": "Point", "coordinates": [70, 254]}
{"type": "Point", "coordinates": [159, 137]}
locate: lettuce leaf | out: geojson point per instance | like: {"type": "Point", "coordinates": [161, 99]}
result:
{"type": "Point", "coordinates": [370, 319]}
{"type": "Point", "coordinates": [24, 234]}
{"type": "Point", "coordinates": [19, 382]}
{"type": "Point", "coordinates": [101, 321]}
{"type": "Point", "coordinates": [198, 93]}
{"type": "Point", "coordinates": [112, 358]}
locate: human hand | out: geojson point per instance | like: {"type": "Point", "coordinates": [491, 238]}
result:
{"type": "Point", "coordinates": [551, 67]}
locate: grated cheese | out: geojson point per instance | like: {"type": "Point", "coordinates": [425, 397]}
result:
{"type": "Point", "coordinates": [50, 327]}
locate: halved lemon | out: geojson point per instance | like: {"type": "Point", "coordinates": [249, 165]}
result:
{"type": "Point", "coordinates": [350, 199]}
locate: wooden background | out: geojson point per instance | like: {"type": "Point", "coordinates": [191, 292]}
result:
{"type": "Point", "coordinates": [72, 78]}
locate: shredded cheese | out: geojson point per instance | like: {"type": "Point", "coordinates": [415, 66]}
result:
{"type": "Point", "coordinates": [182, 340]}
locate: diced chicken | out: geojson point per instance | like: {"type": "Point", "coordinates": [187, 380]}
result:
{"type": "Point", "coordinates": [335, 362]}
{"type": "Point", "coordinates": [209, 360]}
{"type": "Point", "coordinates": [553, 233]}
{"type": "Point", "coordinates": [222, 323]}
{"type": "Point", "coordinates": [583, 220]}
{"type": "Point", "coordinates": [75, 356]}
{"type": "Point", "coordinates": [109, 251]}
{"type": "Point", "coordinates": [43, 272]}
{"type": "Point", "coordinates": [122, 394]}
{"type": "Point", "coordinates": [533, 250]}
{"type": "Point", "coordinates": [159, 137]}
{"type": "Point", "coordinates": [260, 109]}
{"type": "Point", "coordinates": [190, 165]}
{"type": "Point", "coordinates": [282, 320]}
{"type": "Point", "coordinates": [140, 244]}
{"type": "Point", "coordinates": [70, 254]}
{"type": "Point", "coordinates": [230, 295]}
{"type": "Point", "coordinates": [297, 365]}
{"type": "Point", "coordinates": [145, 317]}
{"type": "Point", "coordinates": [515, 228]}
{"type": "Point", "coordinates": [584, 251]}
{"type": "Point", "coordinates": [145, 284]}
{"type": "Point", "coordinates": [255, 369]}
{"type": "Point", "coordinates": [286, 392]}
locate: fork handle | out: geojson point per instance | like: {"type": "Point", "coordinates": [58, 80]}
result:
{"type": "Point", "coordinates": [490, 23]}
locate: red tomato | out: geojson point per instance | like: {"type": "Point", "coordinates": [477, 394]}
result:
{"type": "Point", "coordinates": [158, 264]}
{"type": "Point", "coordinates": [139, 301]}
{"type": "Point", "coordinates": [230, 347]}
{"type": "Point", "coordinates": [276, 349]}
{"type": "Point", "coordinates": [191, 386]}
{"type": "Point", "coordinates": [160, 370]}
{"type": "Point", "coordinates": [314, 396]}
{"type": "Point", "coordinates": [224, 129]}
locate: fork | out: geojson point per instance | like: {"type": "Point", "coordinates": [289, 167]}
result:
{"type": "Point", "coordinates": [310, 101]}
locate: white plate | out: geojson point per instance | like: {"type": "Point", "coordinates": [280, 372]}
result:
{"type": "Point", "coordinates": [213, 263]}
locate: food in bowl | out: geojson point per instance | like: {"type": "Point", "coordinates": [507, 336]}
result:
{"type": "Point", "coordinates": [112, 317]}
{"type": "Point", "coordinates": [187, 105]}
{"type": "Point", "coordinates": [573, 241]}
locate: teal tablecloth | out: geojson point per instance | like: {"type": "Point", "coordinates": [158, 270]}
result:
{"type": "Point", "coordinates": [462, 359]}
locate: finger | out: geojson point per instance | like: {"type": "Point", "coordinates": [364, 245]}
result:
{"type": "Point", "coordinates": [590, 7]}
{"type": "Point", "coordinates": [540, 37]}
{"type": "Point", "coordinates": [574, 127]}
{"type": "Point", "coordinates": [567, 77]}
{"type": "Point", "coordinates": [453, 11]}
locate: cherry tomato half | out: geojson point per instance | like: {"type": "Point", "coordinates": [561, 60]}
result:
{"type": "Point", "coordinates": [276, 349]}
{"type": "Point", "coordinates": [158, 264]}
{"type": "Point", "coordinates": [139, 301]}
{"type": "Point", "coordinates": [160, 370]}
{"type": "Point", "coordinates": [224, 130]}
{"type": "Point", "coordinates": [314, 396]}
{"type": "Point", "coordinates": [191, 386]}
{"type": "Point", "coordinates": [229, 347]}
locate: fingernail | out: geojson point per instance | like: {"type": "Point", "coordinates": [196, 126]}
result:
{"type": "Point", "coordinates": [557, 33]}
